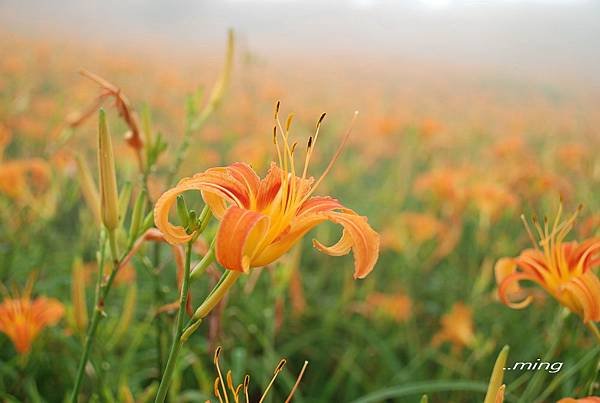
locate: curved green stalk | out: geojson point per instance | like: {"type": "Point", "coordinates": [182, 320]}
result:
{"type": "Point", "coordinates": [176, 345]}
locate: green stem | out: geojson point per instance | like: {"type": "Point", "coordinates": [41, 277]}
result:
{"type": "Point", "coordinates": [158, 301]}
{"type": "Point", "coordinates": [94, 323]}
{"type": "Point", "coordinates": [176, 345]}
{"type": "Point", "coordinates": [102, 291]}
{"type": "Point", "coordinates": [114, 251]}
{"type": "Point", "coordinates": [204, 263]}
{"type": "Point", "coordinates": [86, 352]}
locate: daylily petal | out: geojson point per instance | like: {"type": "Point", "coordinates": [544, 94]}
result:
{"type": "Point", "coordinates": [47, 311]}
{"type": "Point", "coordinates": [365, 241]}
{"type": "Point", "coordinates": [174, 234]}
{"type": "Point", "coordinates": [511, 282]}
{"type": "Point", "coordinates": [341, 248]}
{"type": "Point", "coordinates": [307, 218]}
{"type": "Point", "coordinates": [236, 184]}
{"type": "Point", "coordinates": [358, 235]}
{"type": "Point", "coordinates": [287, 240]}
{"type": "Point", "coordinates": [505, 267]}
{"type": "Point", "coordinates": [319, 204]}
{"type": "Point", "coordinates": [586, 255]}
{"type": "Point", "coordinates": [238, 236]}
{"type": "Point", "coordinates": [584, 291]}
{"type": "Point", "coordinates": [269, 187]}
{"type": "Point", "coordinates": [216, 203]}
{"type": "Point", "coordinates": [248, 181]}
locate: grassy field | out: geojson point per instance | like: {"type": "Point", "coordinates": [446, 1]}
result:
{"type": "Point", "coordinates": [442, 161]}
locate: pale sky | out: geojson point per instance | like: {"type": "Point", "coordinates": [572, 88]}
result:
{"type": "Point", "coordinates": [513, 35]}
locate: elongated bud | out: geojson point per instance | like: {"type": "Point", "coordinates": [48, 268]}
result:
{"type": "Point", "coordinates": [124, 199]}
{"type": "Point", "coordinates": [88, 188]}
{"type": "Point", "coordinates": [147, 126]}
{"type": "Point", "coordinates": [137, 216]}
{"type": "Point", "coordinates": [182, 211]}
{"type": "Point", "coordinates": [109, 199]}
{"type": "Point", "coordinates": [190, 330]}
{"type": "Point", "coordinates": [221, 85]}
{"type": "Point", "coordinates": [497, 376]}
{"type": "Point", "coordinates": [148, 221]}
{"type": "Point", "coordinates": [192, 222]}
{"type": "Point", "coordinates": [204, 219]}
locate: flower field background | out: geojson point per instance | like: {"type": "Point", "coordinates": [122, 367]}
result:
{"type": "Point", "coordinates": [442, 160]}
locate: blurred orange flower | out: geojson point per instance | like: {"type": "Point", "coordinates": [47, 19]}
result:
{"type": "Point", "coordinates": [22, 179]}
{"type": "Point", "coordinates": [457, 327]}
{"type": "Point", "coordinates": [261, 219]}
{"type": "Point", "coordinates": [563, 269]}
{"type": "Point", "coordinates": [510, 146]}
{"type": "Point", "coordinates": [447, 185]}
{"type": "Point", "coordinates": [590, 225]}
{"type": "Point", "coordinates": [430, 127]}
{"type": "Point", "coordinates": [410, 229]}
{"type": "Point", "coordinates": [491, 198]}
{"type": "Point", "coordinates": [572, 156]}
{"type": "Point", "coordinates": [397, 307]}
{"type": "Point", "coordinates": [22, 318]}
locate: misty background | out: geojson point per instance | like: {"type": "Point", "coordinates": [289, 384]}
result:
{"type": "Point", "coordinates": [554, 39]}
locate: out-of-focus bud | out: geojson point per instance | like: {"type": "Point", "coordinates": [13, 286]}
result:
{"type": "Point", "coordinates": [88, 188]}
{"type": "Point", "coordinates": [148, 221]}
{"type": "Point", "coordinates": [147, 125]}
{"type": "Point", "coordinates": [127, 313]}
{"type": "Point", "coordinates": [495, 390]}
{"type": "Point", "coordinates": [220, 87]}
{"type": "Point", "coordinates": [109, 199]}
{"type": "Point", "coordinates": [137, 216]}
{"type": "Point", "coordinates": [124, 200]}
{"type": "Point", "coordinates": [125, 394]}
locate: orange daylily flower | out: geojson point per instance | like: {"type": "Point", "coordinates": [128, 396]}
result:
{"type": "Point", "coordinates": [261, 219]}
{"type": "Point", "coordinates": [563, 269]}
{"type": "Point", "coordinates": [23, 318]}
{"type": "Point", "coordinates": [457, 327]}
{"type": "Point", "coordinates": [589, 399]}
